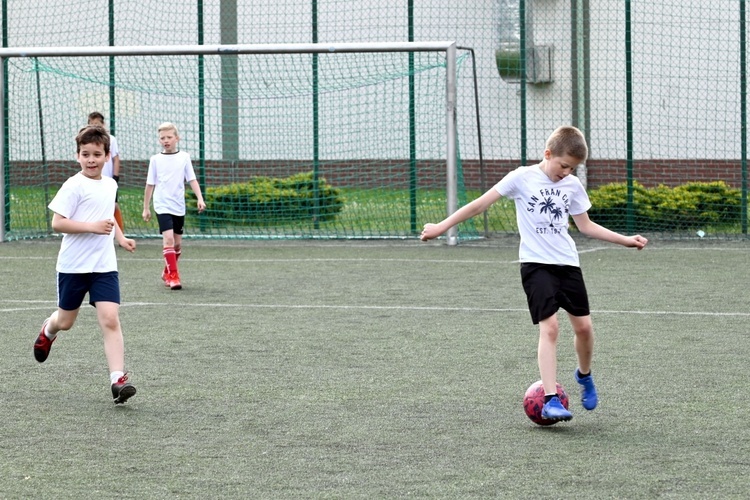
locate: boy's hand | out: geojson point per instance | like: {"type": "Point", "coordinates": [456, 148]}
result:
{"type": "Point", "coordinates": [201, 206]}
{"type": "Point", "coordinates": [638, 241]}
{"type": "Point", "coordinates": [430, 231]}
{"type": "Point", "coordinates": [128, 244]}
{"type": "Point", "coordinates": [102, 226]}
{"type": "Point", "coordinates": [146, 214]}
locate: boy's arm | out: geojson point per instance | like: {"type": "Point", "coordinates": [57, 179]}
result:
{"type": "Point", "coordinates": [593, 230]}
{"type": "Point", "coordinates": [64, 225]}
{"type": "Point", "coordinates": [116, 167]}
{"type": "Point", "coordinates": [468, 211]}
{"type": "Point", "coordinates": [149, 191]}
{"type": "Point", "coordinates": [197, 190]}
{"type": "Point", "coordinates": [124, 242]}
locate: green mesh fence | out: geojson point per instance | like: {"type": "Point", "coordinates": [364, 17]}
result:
{"type": "Point", "coordinates": [284, 145]}
{"type": "Point", "coordinates": [659, 89]}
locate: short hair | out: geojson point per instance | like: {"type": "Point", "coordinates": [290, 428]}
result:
{"type": "Point", "coordinates": [568, 140]}
{"type": "Point", "coordinates": [95, 115]}
{"type": "Point", "coordinates": [92, 134]}
{"type": "Point", "coordinates": [168, 126]}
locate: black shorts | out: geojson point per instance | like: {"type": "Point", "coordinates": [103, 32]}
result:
{"type": "Point", "coordinates": [550, 287]}
{"type": "Point", "coordinates": [169, 221]}
{"type": "Point", "coordinates": [101, 287]}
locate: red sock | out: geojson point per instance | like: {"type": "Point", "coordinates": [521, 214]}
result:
{"type": "Point", "coordinates": [170, 259]}
{"type": "Point", "coordinates": [177, 254]}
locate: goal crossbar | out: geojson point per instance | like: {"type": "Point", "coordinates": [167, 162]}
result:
{"type": "Point", "coordinates": [449, 47]}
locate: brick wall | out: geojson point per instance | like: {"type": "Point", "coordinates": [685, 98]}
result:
{"type": "Point", "coordinates": [431, 173]}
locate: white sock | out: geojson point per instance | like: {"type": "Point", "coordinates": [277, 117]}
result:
{"type": "Point", "coordinates": [47, 334]}
{"type": "Point", "coordinates": [115, 376]}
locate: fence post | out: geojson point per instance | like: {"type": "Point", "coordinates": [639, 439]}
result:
{"type": "Point", "coordinates": [743, 113]}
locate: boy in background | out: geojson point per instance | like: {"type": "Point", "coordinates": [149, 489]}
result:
{"type": "Point", "coordinates": [87, 262]}
{"type": "Point", "coordinates": [112, 167]}
{"type": "Point", "coordinates": [546, 195]}
{"type": "Point", "coordinates": [168, 172]}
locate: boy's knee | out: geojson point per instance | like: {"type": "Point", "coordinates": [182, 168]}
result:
{"type": "Point", "coordinates": [584, 332]}
{"type": "Point", "coordinates": [64, 323]}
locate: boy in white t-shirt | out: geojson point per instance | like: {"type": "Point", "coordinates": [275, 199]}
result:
{"type": "Point", "coordinates": [546, 195]}
{"type": "Point", "coordinates": [168, 172]}
{"type": "Point", "coordinates": [112, 167]}
{"type": "Point", "coordinates": [87, 263]}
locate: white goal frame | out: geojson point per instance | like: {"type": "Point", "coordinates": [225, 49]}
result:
{"type": "Point", "coordinates": [448, 47]}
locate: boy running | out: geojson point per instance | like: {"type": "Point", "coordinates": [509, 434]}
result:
{"type": "Point", "coordinates": [87, 263]}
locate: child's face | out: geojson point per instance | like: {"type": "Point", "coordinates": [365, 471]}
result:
{"type": "Point", "coordinates": [168, 139]}
{"type": "Point", "coordinates": [92, 158]}
{"type": "Point", "coordinates": [559, 167]}
{"type": "Point", "coordinates": [95, 122]}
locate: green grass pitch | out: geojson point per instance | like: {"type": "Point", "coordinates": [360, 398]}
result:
{"type": "Point", "coordinates": [377, 370]}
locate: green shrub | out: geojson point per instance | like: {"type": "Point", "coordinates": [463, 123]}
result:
{"type": "Point", "coordinates": [688, 206]}
{"type": "Point", "coordinates": [266, 199]}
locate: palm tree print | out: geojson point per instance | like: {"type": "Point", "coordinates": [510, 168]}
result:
{"type": "Point", "coordinates": [548, 206]}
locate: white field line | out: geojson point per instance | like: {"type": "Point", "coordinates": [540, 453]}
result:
{"type": "Point", "coordinates": [29, 305]}
{"type": "Point", "coordinates": [411, 260]}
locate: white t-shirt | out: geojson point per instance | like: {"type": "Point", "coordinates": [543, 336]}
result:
{"type": "Point", "coordinates": [169, 172]}
{"type": "Point", "coordinates": [86, 200]}
{"type": "Point", "coordinates": [114, 150]}
{"type": "Point", "coordinates": [543, 208]}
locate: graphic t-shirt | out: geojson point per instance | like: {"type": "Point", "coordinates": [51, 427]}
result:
{"type": "Point", "coordinates": [543, 208]}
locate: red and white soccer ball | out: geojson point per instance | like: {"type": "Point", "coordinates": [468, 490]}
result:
{"type": "Point", "coordinates": [533, 401]}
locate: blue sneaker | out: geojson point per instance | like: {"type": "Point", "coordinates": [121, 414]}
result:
{"type": "Point", "coordinates": [554, 410]}
{"type": "Point", "coordinates": [589, 398]}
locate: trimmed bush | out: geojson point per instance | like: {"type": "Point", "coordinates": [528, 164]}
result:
{"type": "Point", "coordinates": [689, 206]}
{"type": "Point", "coordinates": [266, 199]}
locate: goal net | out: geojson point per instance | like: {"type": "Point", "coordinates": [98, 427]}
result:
{"type": "Point", "coordinates": [287, 141]}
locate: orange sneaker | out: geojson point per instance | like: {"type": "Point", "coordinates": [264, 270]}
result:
{"type": "Point", "coordinates": [165, 277]}
{"type": "Point", "coordinates": [174, 281]}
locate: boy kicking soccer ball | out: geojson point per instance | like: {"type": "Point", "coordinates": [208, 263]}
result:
{"type": "Point", "coordinates": [546, 195]}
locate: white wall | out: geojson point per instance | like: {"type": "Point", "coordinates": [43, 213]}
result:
{"type": "Point", "coordinates": [685, 79]}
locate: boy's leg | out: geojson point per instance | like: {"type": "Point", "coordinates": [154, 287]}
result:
{"type": "Point", "coordinates": [553, 408]}
{"type": "Point", "coordinates": [114, 350]}
{"type": "Point", "coordinates": [547, 353]}
{"type": "Point", "coordinates": [71, 289]}
{"type": "Point", "coordinates": [177, 246]}
{"type": "Point", "coordinates": [105, 296]}
{"type": "Point", "coordinates": [170, 260]}
{"type": "Point", "coordinates": [59, 320]}
{"type": "Point", "coordinates": [174, 278]}
{"type": "Point", "coordinates": [167, 230]}
{"type": "Point", "coordinates": [107, 313]}
{"type": "Point", "coordinates": [583, 341]}
{"type": "Point", "coordinates": [584, 346]}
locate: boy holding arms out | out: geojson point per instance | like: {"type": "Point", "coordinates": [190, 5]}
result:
{"type": "Point", "coordinates": [545, 196]}
{"type": "Point", "coordinates": [168, 172]}
{"type": "Point", "coordinates": [112, 167]}
{"type": "Point", "coordinates": [87, 262]}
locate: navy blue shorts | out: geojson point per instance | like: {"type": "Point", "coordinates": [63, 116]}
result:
{"type": "Point", "coordinates": [101, 287]}
{"type": "Point", "coordinates": [550, 287]}
{"type": "Point", "coordinates": [169, 221]}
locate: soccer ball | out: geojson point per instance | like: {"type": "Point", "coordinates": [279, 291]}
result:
{"type": "Point", "coordinates": [533, 401]}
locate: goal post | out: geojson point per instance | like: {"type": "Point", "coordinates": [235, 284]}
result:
{"type": "Point", "coordinates": [358, 101]}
